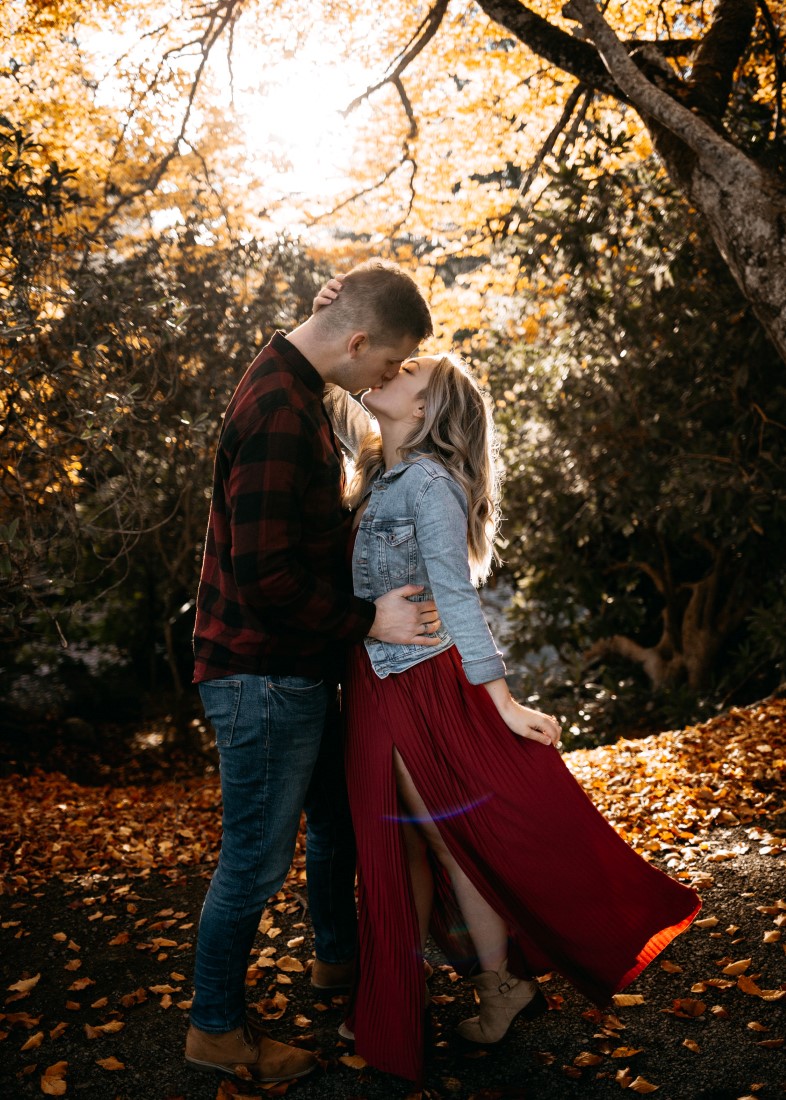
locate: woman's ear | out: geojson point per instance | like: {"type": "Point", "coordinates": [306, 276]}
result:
{"type": "Point", "coordinates": [420, 410]}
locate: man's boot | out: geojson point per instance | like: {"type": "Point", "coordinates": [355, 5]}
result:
{"type": "Point", "coordinates": [247, 1046]}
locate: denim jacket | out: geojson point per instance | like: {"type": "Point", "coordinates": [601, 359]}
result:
{"type": "Point", "coordinates": [414, 531]}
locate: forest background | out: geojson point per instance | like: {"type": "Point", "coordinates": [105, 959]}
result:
{"type": "Point", "coordinates": [592, 200]}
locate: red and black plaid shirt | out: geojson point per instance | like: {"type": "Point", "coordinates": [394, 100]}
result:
{"type": "Point", "coordinates": [276, 591]}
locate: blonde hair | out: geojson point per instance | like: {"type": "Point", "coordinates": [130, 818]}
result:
{"type": "Point", "coordinates": [457, 431]}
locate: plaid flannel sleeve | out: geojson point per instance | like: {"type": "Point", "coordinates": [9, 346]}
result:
{"type": "Point", "coordinates": [266, 494]}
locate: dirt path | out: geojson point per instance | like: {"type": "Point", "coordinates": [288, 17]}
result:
{"type": "Point", "coordinates": [102, 888]}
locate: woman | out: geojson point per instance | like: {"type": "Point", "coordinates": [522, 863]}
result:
{"type": "Point", "coordinates": [468, 823]}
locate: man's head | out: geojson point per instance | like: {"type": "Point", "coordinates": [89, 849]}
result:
{"type": "Point", "coordinates": [380, 299]}
{"type": "Point", "coordinates": [377, 321]}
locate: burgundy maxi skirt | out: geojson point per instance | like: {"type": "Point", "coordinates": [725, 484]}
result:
{"type": "Point", "coordinates": [576, 898]}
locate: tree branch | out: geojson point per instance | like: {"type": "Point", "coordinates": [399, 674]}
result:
{"type": "Point", "coordinates": [223, 16]}
{"type": "Point", "coordinates": [420, 39]}
{"type": "Point", "coordinates": [356, 195]}
{"type": "Point", "coordinates": [573, 55]}
{"type": "Point", "coordinates": [547, 146]}
{"type": "Point", "coordinates": [712, 75]}
{"type": "Point", "coordinates": [725, 160]}
{"type": "Point", "coordinates": [780, 70]}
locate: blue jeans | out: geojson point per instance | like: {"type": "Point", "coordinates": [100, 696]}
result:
{"type": "Point", "coordinates": [273, 734]}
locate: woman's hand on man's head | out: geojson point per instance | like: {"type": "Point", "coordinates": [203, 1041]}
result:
{"type": "Point", "coordinates": [328, 293]}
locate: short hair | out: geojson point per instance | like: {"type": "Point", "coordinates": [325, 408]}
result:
{"type": "Point", "coordinates": [378, 298]}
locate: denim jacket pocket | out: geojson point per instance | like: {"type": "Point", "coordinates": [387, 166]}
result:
{"type": "Point", "coordinates": [397, 555]}
{"type": "Point", "coordinates": [221, 701]}
{"type": "Point", "coordinates": [395, 535]}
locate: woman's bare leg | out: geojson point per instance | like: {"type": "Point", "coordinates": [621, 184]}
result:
{"type": "Point", "coordinates": [487, 929]}
{"type": "Point", "coordinates": [420, 876]}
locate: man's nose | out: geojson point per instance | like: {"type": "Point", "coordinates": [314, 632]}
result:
{"type": "Point", "coordinates": [391, 373]}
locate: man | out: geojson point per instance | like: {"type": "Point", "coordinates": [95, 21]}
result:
{"type": "Point", "coordinates": [274, 610]}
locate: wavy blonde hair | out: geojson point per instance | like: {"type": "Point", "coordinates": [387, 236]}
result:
{"type": "Point", "coordinates": [457, 431]}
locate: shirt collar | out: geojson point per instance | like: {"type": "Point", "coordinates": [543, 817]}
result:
{"type": "Point", "coordinates": [298, 363]}
{"type": "Point", "coordinates": [396, 471]}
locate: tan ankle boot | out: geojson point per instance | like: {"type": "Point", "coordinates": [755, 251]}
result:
{"type": "Point", "coordinates": [332, 977]}
{"type": "Point", "coordinates": [266, 1060]}
{"type": "Point", "coordinates": [502, 998]}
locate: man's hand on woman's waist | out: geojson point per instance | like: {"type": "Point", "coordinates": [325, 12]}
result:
{"type": "Point", "coordinates": [403, 621]}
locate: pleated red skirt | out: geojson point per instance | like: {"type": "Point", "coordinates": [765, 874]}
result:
{"type": "Point", "coordinates": [576, 898]}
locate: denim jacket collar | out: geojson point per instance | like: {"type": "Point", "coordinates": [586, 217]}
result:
{"type": "Point", "coordinates": [394, 471]}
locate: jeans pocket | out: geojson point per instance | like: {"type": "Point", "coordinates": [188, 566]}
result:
{"type": "Point", "coordinates": [221, 701]}
{"type": "Point", "coordinates": [299, 685]}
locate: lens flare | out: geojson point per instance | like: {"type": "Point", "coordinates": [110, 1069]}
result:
{"type": "Point", "coordinates": [441, 815]}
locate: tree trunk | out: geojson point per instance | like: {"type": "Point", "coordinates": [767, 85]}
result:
{"type": "Point", "coordinates": [691, 639]}
{"type": "Point", "coordinates": [744, 204]}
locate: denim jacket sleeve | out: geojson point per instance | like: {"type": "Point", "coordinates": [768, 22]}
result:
{"type": "Point", "coordinates": [441, 534]}
{"type": "Point", "coordinates": [350, 421]}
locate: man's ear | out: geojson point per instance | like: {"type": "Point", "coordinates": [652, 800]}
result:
{"type": "Point", "coordinates": [357, 343]}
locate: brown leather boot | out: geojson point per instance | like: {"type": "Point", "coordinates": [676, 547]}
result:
{"type": "Point", "coordinates": [266, 1060]}
{"type": "Point", "coordinates": [332, 976]}
{"type": "Point", "coordinates": [502, 998]}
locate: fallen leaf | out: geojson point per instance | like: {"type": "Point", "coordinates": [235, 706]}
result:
{"type": "Point", "coordinates": [81, 983]}
{"type": "Point", "coordinates": [642, 1085]}
{"type": "Point", "coordinates": [587, 1059]}
{"type": "Point", "coordinates": [34, 1041]}
{"type": "Point", "coordinates": [687, 1008]}
{"type": "Point", "coordinates": [110, 1063]}
{"type": "Point", "coordinates": [737, 967]}
{"type": "Point", "coordinates": [290, 964]}
{"type": "Point", "coordinates": [53, 1086]}
{"type": "Point", "coordinates": [624, 1000]}
{"type": "Point", "coordinates": [354, 1061]}
{"type": "Point", "coordinates": [57, 1069]}
{"type": "Point", "coordinates": [691, 1044]}
{"type": "Point", "coordinates": [544, 1057]}
{"type": "Point", "coordinates": [24, 985]}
